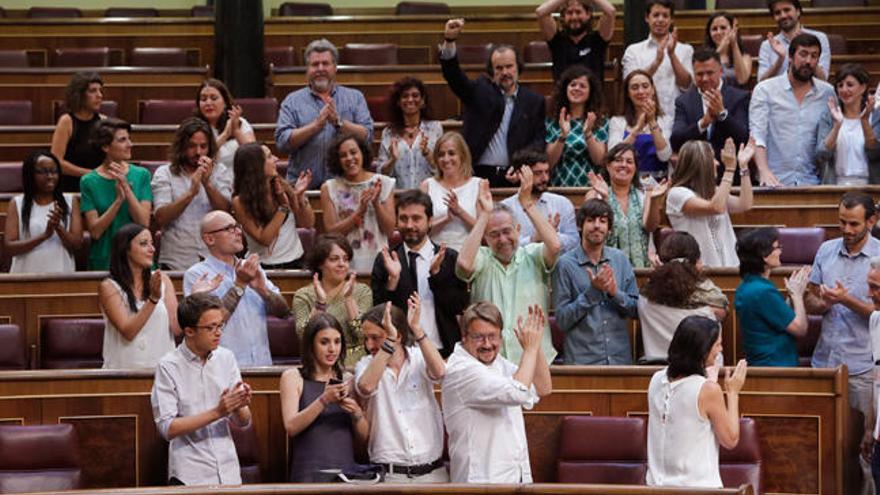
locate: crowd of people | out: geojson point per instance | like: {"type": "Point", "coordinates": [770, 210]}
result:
{"type": "Point", "coordinates": [464, 299]}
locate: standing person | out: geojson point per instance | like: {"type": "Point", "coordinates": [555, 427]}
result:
{"type": "Point", "coordinates": [722, 35]}
{"type": "Point", "coordinates": [575, 41]}
{"type": "Point", "coordinates": [684, 403]}
{"type": "Point", "coordinates": [870, 444]}
{"type": "Point", "coordinates": [772, 59]}
{"type": "Point", "coordinates": [269, 208]}
{"type": "Point", "coordinates": [197, 390]}
{"type": "Point", "coordinates": [406, 151]}
{"type": "Point", "coordinates": [357, 203]}
{"type": "Point", "coordinates": [397, 381]}
{"type": "Point", "coordinates": [114, 194]}
{"type": "Point", "coordinates": [185, 190]}
{"type": "Point", "coordinates": [483, 396]}
{"type": "Point", "coordinates": [499, 116]}
{"type": "Point", "coordinates": [311, 118]}
{"type": "Point", "coordinates": [419, 265]}
{"type": "Point", "coordinates": [139, 306]}
{"type": "Point", "coordinates": [43, 226]}
{"type": "Point", "coordinates": [71, 139]}
{"type": "Point", "coordinates": [643, 125]}
{"type": "Point", "coordinates": [228, 126]}
{"type": "Point", "coordinates": [316, 405]}
{"type": "Point", "coordinates": [453, 191]}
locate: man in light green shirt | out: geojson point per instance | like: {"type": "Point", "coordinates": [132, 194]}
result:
{"type": "Point", "coordinates": [508, 275]}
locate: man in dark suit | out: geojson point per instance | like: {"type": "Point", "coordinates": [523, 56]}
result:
{"type": "Point", "coordinates": [500, 117]}
{"type": "Point", "coordinates": [712, 110]}
{"type": "Point", "coordinates": [419, 265]}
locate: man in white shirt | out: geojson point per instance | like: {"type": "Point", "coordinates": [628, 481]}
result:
{"type": "Point", "coordinates": [662, 55]}
{"type": "Point", "coordinates": [773, 58]}
{"type": "Point", "coordinates": [483, 395]}
{"type": "Point", "coordinates": [397, 379]}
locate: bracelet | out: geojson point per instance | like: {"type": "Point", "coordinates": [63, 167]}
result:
{"type": "Point", "coordinates": [154, 301]}
{"type": "Point", "coordinates": [284, 209]}
{"type": "Point", "coordinates": [321, 306]}
{"type": "Point", "coordinates": [388, 347]}
{"type": "Point", "coordinates": [727, 179]}
{"type": "Point", "coordinates": [423, 337]}
{"type": "Point", "coordinates": [357, 416]}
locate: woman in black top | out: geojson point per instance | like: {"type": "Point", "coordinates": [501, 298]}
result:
{"type": "Point", "coordinates": [70, 141]}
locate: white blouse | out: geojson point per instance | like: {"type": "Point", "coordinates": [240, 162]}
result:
{"type": "Point", "coordinates": [49, 256]}
{"type": "Point", "coordinates": [149, 345]}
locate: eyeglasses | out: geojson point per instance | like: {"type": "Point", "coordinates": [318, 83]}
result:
{"type": "Point", "coordinates": [490, 338]}
{"type": "Point", "coordinates": [46, 171]}
{"type": "Point", "coordinates": [212, 328]}
{"type": "Point", "coordinates": [228, 229]}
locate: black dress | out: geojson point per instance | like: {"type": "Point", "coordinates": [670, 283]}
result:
{"type": "Point", "coordinates": [326, 444]}
{"type": "Point", "coordinates": [79, 150]}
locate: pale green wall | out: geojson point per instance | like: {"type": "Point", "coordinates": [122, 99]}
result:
{"type": "Point", "coordinates": [185, 4]}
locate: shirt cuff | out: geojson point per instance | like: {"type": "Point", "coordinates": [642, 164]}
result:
{"type": "Point", "coordinates": [447, 51]}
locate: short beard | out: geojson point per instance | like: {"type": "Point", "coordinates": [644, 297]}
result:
{"type": "Point", "coordinates": [795, 73]}
{"type": "Point", "coordinates": [585, 27]}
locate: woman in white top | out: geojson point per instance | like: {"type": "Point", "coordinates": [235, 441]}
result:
{"type": "Point", "coordinates": [643, 125]}
{"type": "Point", "coordinates": [357, 203]}
{"type": "Point", "coordinates": [407, 147]}
{"type": "Point", "coordinates": [43, 226]}
{"type": "Point", "coordinates": [454, 192]}
{"type": "Point", "coordinates": [139, 307]}
{"type": "Point", "coordinates": [683, 403]}
{"type": "Point", "coordinates": [268, 208]}
{"type": "Point", "coordinates": [846, 146]}
{"type": "Point", "coordinates": [215, 106]}
{"type": "Point", "coordinates": [696, 205]}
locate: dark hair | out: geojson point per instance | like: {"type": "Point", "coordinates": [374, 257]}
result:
{"type": "Point", "coordinates": [629, 110]}
{"type": "Point", "coordinates": [414, 197]}
{"type": "Point", "coordinates": [672, 283]}
{"type": "Point", "coordinates": [614, 152]}
{"type": "Point", "coordinates": [30, 188]}
{"type": "Point", "coordinates": [75, 93]}
{"type": "Point", "coordinates": [120, 271]}
{"type": "Point", "coordinates": [224, 93]}
{"type": "Point", "coordinates": [333, 164]}
{"type": "Point", "coordinates": [528, 157]}
{"type": "Point", "coordinates": [103, 133]}
{"type": "Point", "coordinates": [394, 110]}
{"type": "Point", "coordinates": [752, 247]}
{"type": "Point", "coordinates": [319, 322]}
{"type": "Point", "coordinates": [852, 199]}
{"type": "Point", "coordinates": [803, 39]}
{"type": "Point", "coordinates": [250, 183]}
{"type": "Point", "coordinates": [587, 5]}
{"type": "Point", "coordinates": [375, 314]}
{"type": "Point", "coordinates": [560, 92]}
{"type": "Point", "coordinates": [690, 346]}
{"type": "Point", "coordinates": [772, 3]}
{"type": "Point", "coordinates": [662, 3]}
{"type": "Point", "coordinates": [858, 73]}
{"type": "Point", "coordinates": [704, 54]}
{"type": "Point", "coordinates": [593, 208]}
{"type": "Point", "coordinates": [500, 47]}
{"type": "Point", "coordinates": [321, 250]}
{"type": "Point", "coordinates": [193, 306]}
{"type": "Point", "coordinates": [185, 131]}
{"type": "Point", "coordinates": [708, 42]}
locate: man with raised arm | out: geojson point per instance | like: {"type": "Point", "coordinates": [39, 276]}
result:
{"type": "Point", "coordinates": [575, 41]}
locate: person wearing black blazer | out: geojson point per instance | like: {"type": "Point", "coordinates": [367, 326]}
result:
{"type": "Point", "coordinates": [493, 130]}
{"type": "Point", "coordinates": [443, 295]}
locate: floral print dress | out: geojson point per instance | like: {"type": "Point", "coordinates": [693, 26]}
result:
{"type": "Point", "coordinates": [366, 239]}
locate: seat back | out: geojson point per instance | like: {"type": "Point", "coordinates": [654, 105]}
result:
{"type": "Point", "coordinates": [53, 12]}
{"type": "Point", "coordinates": [156, 112]}
{"type": "Point", "coordinates": [248, 449]}
{"type": "Point", "coordinates": [201, 11]}
{"type": "Point", "coordinates": [839, 3]}
{"type": "Point", "coordinates": [368, 54]}
{"type": "Point", "coordinates": [81, 57]}
{"type": "Point", "coordinates": [16, 112]}
{"type": "Point", "coordinates": [13, 355]}
{"type": "Point", "coordinates": [158, 57]}
{"type": "Point", "coordinates": [742, 464]}
{"type": "Point", "coordinates": [280, 56]}
{"type": "Point", "coordinates": [378, 106]}
{"type": "Point", "coordinates": [71, 343]}
{"type": "Point", "coordinates": [283, 341]}
{"type": "Point", "coordinates": [422, 8]}
{"type": "Point", "coordinates": [131, 12]}
{"type": "Point", "coordinates": [800, 244]}
{"type": "Point", "coordinates": [310, 9]}
{"type": "Point", "coordinates": [39, 458]}
{"type": "Point", "coordinates": [537, 52]}
{"type": "Point", "coordinates": [259, 110]}
{"type": "Point", "coordinates": [10, 177]}
{"type": "Point", "coordinates": [616, 452]}
{"type": "Point", "coordinates": [740, 4]}
{"type": "Point", "coordinates": [108, 108]}
{"type": "Point", "coordinates": [836, 42]}
{"type": "Point", "coordinates": [752, 43]}
{"type": "Point", "coordinates": [14, 59]}
{"type": "Point", "coordinates": [473, 54]}
{"type": "Point", "coordinates": [306, 238]}
{"type": "Point", "coordinates": [807, 343]}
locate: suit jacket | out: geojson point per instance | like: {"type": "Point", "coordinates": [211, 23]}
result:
{"type": "Point", "coordinates": [689, 110]}
{"type": "Point", "coordinates": [451, 296]}
{"type": "Point", "coordinates": [484, 108]}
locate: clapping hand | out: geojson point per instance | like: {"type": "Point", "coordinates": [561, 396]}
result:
{"type": "Point", "coordinates": [388, 323]}
{"type": "Point", "coordinates": [302, 182]}
{"type": "Point", "coordinates": [53, 221]}
{"type": "Point", "coordinates": [746, 153]}
{"type": "Point", "coordinates": [833, 295]}
{"type": "Point", "coordinates": [530, 333]}
{"type": "Point", "coordinates": [526, 178]}
{"type": "Point", "coordinates": [452, 206]}
{"type": "Point", "coordinates": [206, 166]}
{"type": "Point", "coordinates": [659, 189]}
{"type": "Point", "coordinates": [156, 285]}
{"type": "Point", "coordinates": [413, 313]}
{"type": "Point", "coordinates": [734, 383]}
{"type": "Point", "coordinates": [234, 399]}
{"type": "Point", "coordinates": [437, 261]}
{"type": "Point", "coordinates": [246, 269]}
{"type": "Point", "coordinates": [204, 284]}
{"type": "Point", "coordinates": [834, 108]}
{"type": "Point", "coordinates": [672, 41]}
{"type": "Point", "coordinates": [485, 199]}
{"type": "Point", "coordinates": [391, 262]}
{"type": "Point", "coordinates": [728, 155]}
{"type": "Point", "coordinates": [797, 282]}
{"type": "Point", "coordinates": [564, 123]}
{"type": "Point", "coordinates": [597, 182]}
{"type": "Point", "coordinates": [776, 45]}
{"type": "Point", "coordinates": [320, 293]}
{"type": "Point", "coordinates": [603, 280]}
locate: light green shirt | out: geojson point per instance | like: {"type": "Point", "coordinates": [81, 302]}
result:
{"type": "Point", "coordinates": [523, 282]}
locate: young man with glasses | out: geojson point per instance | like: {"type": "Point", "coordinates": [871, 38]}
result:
{"type": "Point", "coordinates": [197, 388]}
{"type": "Point", "coordinates": [247, 294]}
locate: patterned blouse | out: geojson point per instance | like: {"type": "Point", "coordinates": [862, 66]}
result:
{"type": "Point", "coordinates": [628, 233]}
{"type": "Point", "coordinates": [574, 164]}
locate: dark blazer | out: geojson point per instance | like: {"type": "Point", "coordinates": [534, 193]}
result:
{"type": "Point", "coordinates": [451, 296]}
{"type": "Point", "coordinates": [484, 107]}
{"type": "Point", "coordinates": [689, 110]}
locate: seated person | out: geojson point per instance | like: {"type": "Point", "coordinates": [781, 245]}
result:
{"type": "Point", "coordinates": [71, 140]}
{"type": "Point", "coordinates": [228, 126]}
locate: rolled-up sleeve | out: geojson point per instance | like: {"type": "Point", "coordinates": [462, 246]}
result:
{"type": "Point", "coordinates": [287, 123]}
{"type": "Point", "coordinates": [161, 185]}
{"type": "Point", "coordinates": [164, 399]}
{"type": "Point", "coordinates": [362, 115]}
{"type": "Point", "coordinates": [482, 388]}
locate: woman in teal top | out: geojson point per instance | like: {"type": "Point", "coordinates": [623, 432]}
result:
{"type": "Point", "coordinates": [114, 194]}
{"type": "Point", "coordinates": [769, 326]}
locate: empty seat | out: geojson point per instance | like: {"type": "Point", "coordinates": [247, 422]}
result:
{"type": "Point", "coordinates": [807, 343]}
{"type": "Point", "coordinates": [368, 54]}
{"type": "Point", "coordinates": [156, 112]}
{"type": "Point", "coordinates": [53, 12]}
{"type": "Point", "coordinates": [473, 54]}
{"type": "Point", "coordinates": [81, 57]}
{"type": "Point", "coordinates": [71, 343]}
{"type": "Point", "coordinates": [306, 238]}
{"type": "Point", "coordinates": [305, 9]}
{"type": "Point", "coordinates": [840, 3]}
{"type": "Point", "coordinates": [606, 450]}
{"type": "Point", "coordinates": [16, 112]}
{"type": "Point", "coordinates": [201, 11]}
{"type": "Point", "coordinates": [131, 12]}
{"type": "Point", "coordinates": [742, 464]}
{"type": "Point", "coordinates": [283, 341]}
{"type": "Point", "coordinates": [422, 8]}
{"type": "Point", "coordinates": [537, 52]}
{"type": "Point", "coordinates": [39, 458]}
{"type": "Point", "coordinates": [10, 177]}
{"type": "Point", "coordinates": [158, 57]}
{"type": "Point", "coordinates": [259, 110]}
{"type": "Point", "coordinates": [13, 355]}
{"type": "Point", "coordinates": [752, 43]}
{"type": "Point", "coordinates": [14, 58]}
{"type": "Point", "coordinates": [108, 108]}
{"type": "Point", "coordinates": [248, 449]}
{"type": "Point", "coordinates": [740, 4]}
{"type": "Point", "coordinates": [378, 106]}
{"type": "Point", "coordinates": [280, 56]}
{"type": "Point", "coordinates": [800, 244]}
{"type": "Point", "coordinates": [837, 43]}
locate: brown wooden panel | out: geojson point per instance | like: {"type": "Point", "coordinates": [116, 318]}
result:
{"type": "Point", "coordinates": [789, 438]}
{"type": "Point", "coordinates": [109, 449]}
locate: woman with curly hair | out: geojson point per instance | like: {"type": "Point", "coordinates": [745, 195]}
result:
{"type": "Point", "coordinates": [215, 106]}
{"type": "Point", "coordinates": [71, 140]}
{"type": "Point", "coordinates": [577, 130]}
{"type": "Point", "coordinates": [268, 208]}
{"type": "Point", "coordinates": [722, 35]}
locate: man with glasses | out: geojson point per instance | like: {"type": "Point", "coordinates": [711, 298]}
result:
{"type": "Point", "coordinates": [197, 387]}
{"type": "Point", "coordinates": [247, 294]}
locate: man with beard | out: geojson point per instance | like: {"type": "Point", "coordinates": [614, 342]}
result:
{"type": "Point", "coordinates": [784, 115]}
{"type": "Point", "coordinates": [838, 291]}
{"type": "Point", "coordinates": [483, 395]}
{"type": "Point", "coordinates": [595, 293]}
{"type": "Point", "coordinates": [419, 265]}
{"type": "Point", "coordinates": [557, 208]}
{"type": "Point", "coordinates": [310, 118]}
{"type": "Point", "coordinates": [576, 42]}
{"type": "Point", "coordinates": [185, 191]}
{"type": "Point", "coordinates": [773, 59]}
{"type": "Point", "coordinates": [499, 117]}
{"type": "Point", "coordinates": [513, 277]}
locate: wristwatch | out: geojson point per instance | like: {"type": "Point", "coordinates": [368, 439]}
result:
{"type": "Point", "coordinates": [239, 291]}
{"type": "Point", "coordinates": [338, 123]}
{"type": "Point", "coordinates": [722, 116]}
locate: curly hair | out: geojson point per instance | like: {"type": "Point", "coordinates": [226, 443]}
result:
{"type": "Point", "coordinates": [187, 129]}
{"type": "Point", "coordinates": [394, 110]}
{"type": "Point", "coordinates": [672, 283]}
{"type": "Point", "coordinates": [560, 92]}
{"type": "Point", "coordinates": [250, 183]}
{"type": "Point", "coordinates": [104, 132]}
{"type": "Point", "coordinates": [224, 93]}
{"type": "Point", "coordinates": [333, 164]}
{"type": "Point", "coordinates": [74, 95]}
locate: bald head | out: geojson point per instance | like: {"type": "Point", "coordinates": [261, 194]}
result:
{"type": "Point", "coordinates": [221, 234]}
{"type": "Point", "coordinates": [214, 220]}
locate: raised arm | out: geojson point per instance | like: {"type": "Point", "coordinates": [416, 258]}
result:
{"type": "Point", "coordinates": [546, 232]}
{"type": "Point", "coordinates": [468, 254]}
{"type": "Point", "coordinates": [546, 23]}
{"type": "Point", "coordinates": [724, 418]}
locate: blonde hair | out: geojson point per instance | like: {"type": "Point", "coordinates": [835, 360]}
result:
{"type": "Point", "coordinates": [696, 168]}
{"type": "Point", "coordinates": [467, 169]}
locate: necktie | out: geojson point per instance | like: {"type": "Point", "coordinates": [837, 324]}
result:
{"type": "Point", "coordinates": [413, 256]}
